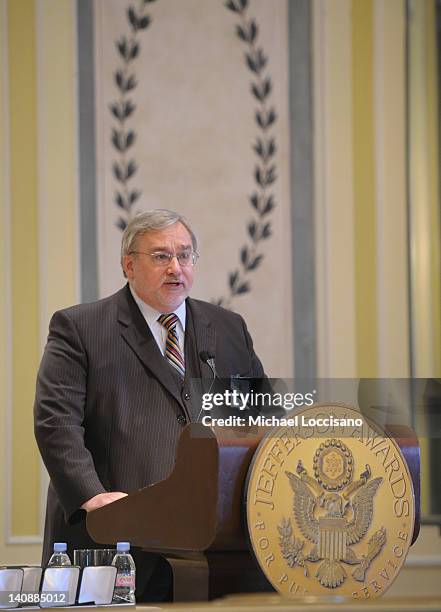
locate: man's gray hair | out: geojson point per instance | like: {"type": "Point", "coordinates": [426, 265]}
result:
{"type": "Point", "coordinates": [148, 221]}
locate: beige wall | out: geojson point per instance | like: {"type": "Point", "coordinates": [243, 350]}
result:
{"type": "Point", "coordinates": [362, 278]}
{"type": "Point", "coordinates": [38, 266]}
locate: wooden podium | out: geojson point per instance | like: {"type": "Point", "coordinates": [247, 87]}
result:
{"type": "Point", "coordinates": [194, 517]}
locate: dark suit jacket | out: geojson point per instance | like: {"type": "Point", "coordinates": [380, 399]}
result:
{"type": "Point", "coordinates": [109, 408]}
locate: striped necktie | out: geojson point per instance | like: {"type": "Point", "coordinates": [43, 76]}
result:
{"type": "Point", "coordinates": [172, 349]}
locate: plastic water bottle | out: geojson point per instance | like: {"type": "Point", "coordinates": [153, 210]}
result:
{"type": "Point", "coordinates": [124, 591]}
{"type": "Point", "coordinates": [60, 556]}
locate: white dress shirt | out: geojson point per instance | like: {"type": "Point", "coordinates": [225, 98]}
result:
{"type": "Point", "coordinates": [159, 332]}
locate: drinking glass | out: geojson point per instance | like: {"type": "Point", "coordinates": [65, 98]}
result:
{"type": "Point", "coordinates": [104, 556]}
{"type": "Point", "coordinates": [83, 557]}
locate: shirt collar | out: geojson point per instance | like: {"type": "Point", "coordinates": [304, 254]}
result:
{"type": "Point", "coordinates": [151, 315]}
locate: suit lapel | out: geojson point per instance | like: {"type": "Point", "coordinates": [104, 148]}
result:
{"type": "Point", "coordinates": [205, 339]}
{"type": "Point", "coordinates": [138, 336]}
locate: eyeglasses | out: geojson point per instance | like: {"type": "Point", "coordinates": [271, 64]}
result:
{"type": "Point", "coordinates": [163, 258]}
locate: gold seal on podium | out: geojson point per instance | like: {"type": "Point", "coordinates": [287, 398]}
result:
{"type": "Point", "coordinates": [330, 505]}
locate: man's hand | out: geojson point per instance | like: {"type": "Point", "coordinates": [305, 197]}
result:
{"type": "Point", "coordinates": [102, 499]}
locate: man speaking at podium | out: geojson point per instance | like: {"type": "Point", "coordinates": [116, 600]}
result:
{"type": "Point", "coordinates": [114, 385]}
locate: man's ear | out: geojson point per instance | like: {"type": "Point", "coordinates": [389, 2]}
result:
{"type": "Point", "coordinates": [128, 265]}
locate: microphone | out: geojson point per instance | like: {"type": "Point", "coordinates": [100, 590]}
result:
{"type": "Point", "coordinates": [208, 358]}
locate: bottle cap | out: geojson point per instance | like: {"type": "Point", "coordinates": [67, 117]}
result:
{"type": "Point", "coordinates": [122, 546]}
{"type": "Point", "coordinates": [60, 546]}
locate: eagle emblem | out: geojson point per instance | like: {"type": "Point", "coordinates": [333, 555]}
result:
{"type": "Point", "coordinates": [333, 512]}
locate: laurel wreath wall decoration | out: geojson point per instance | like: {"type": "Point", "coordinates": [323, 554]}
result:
{"type": "Point", "coordinates": [123, 138]}
{"type": "Point", "coordinates": [262, 201]}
